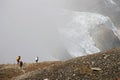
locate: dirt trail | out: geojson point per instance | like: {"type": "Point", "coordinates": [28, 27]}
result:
{"type": "Point", "coordinates": [8, 71]}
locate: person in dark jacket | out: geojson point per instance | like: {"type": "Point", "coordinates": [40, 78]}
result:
{"type": "Point", "coordinates": [21, 64]}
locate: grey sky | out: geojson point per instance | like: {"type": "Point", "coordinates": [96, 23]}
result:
{"type": "Point", "coordinates": [104, 7]}
{"type": "Point", "coordinates": [29, 28]}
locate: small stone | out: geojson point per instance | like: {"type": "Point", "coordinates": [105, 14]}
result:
{"type": "Point", "coordinates": [118, 63]}
{"type": "Point", "coordinates": [105, 57]}
{"type": "Point", "coordinates": [93, 62]}
{"type": "Point", "coordinates": [73, 74]}
{"type": "Point", "coordinates": [46, 79]}
{"type": "Point", "coordinates": [96, 69]}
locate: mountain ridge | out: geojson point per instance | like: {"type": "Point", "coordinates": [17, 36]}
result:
{"type": "Point", "coordinates": [100, 66]}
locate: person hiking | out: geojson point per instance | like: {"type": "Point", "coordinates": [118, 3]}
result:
{"type": "Point", "coordinates": [36, 59]}
{"type": "Point", "coordinates": [21, 64]}
{"type": "Point", "coordinates": [18, 59]}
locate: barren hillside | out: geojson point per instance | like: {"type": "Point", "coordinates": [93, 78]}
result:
{"type": "Point", "coordinates": [100, 66]}
{"type": "Point", "coordinates": [8, 71]}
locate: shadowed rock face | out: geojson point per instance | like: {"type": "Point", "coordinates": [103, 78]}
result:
{"type": "Point", "coordinates": [104, 38]}
{"type": "Point", "coordinates": [101, 66]}
{"type": "Point", "coordinates": [88, 33]}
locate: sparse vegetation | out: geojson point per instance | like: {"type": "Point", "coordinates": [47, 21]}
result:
{"type": "Point", "coordinates": [8, 71]}
{"type": "Point", "coordinates": [101, 66]}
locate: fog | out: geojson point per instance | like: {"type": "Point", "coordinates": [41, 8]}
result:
{"type": "Point", "coordinates": [110, 8]}
{"type": "Point", "coordinates": [29, 28]}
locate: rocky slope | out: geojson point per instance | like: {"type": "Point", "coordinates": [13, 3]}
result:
{"type": "Point", "coordinates": [8, 71]}
{"type": "Point", "coordinates": [100, 66]}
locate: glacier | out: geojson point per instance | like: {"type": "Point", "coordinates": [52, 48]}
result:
{"type": "Point", "coordinates": [89, 33]}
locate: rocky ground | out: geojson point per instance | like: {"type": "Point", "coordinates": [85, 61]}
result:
{"type": "Point", "coordinates": [8, 71]}
{"type": "Point", "coordinates": [100, 66]}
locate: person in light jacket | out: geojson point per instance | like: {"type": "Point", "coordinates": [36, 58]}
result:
{"type": "Point", "coordinates": [37, 59]}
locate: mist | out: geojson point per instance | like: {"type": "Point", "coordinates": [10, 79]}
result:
{"type": "Point", "coordinates": [110, 8]}
{"type": "Point", "coordinates": [29, 29]}
{"type": "Point", "coordinates": [102, 37]}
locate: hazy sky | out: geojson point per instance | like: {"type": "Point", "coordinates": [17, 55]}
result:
{"type": "Point", "coordinates": [29, 28]}
{"type": "Point", "coordinates": [110, 8]}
